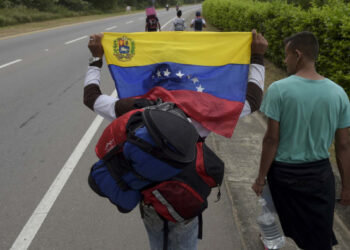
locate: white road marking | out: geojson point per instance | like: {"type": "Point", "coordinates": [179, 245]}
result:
{"type": "Point", "coordinates": [167, 23]}
{"type": "Point", "coordinates": [46, 49]}
{"type": "Point", "coordinates": [113, 27]}
{"type": "Point", "coordinates": [129, 22]}
{"type": "Point", "coordinates": [10, 63]}
{"type": "Point", "coordinates": [142, 18]}
{"type": "Point", "coordinates": [37, 218]}
{"type": "Point", "coordinates": [75, 40]}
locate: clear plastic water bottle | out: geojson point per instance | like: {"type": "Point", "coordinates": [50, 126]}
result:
{"type": "Point", "coordinates": [271, 231]}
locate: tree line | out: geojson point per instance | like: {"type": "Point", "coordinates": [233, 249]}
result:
{"type": "Point", "coordinates": [305, 4]}
{"type": "Point", "coordinates": [330, 22]}
{"type": "Point", "coordinates": [76, 5]}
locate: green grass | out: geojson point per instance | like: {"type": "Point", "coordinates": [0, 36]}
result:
{"type": "Point", "coordinates": [17, 29]}
{"type": "Point", "coordinates": [21, 14]}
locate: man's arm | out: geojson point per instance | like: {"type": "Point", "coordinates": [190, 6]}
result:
{"type": "Point", "coordinates": [256, 76]}
{"type": "Point", "coordinates": [268, 153]}
{"type": "Point", "coordinates": [158, 25]}
{"type": "Point", "coordinates": [342, 151]}
{"type": "Point", "coordinates": [93, 98]}
{"type": "Point", "coordinates": [107, 106]}
{"type": "Point", "coordinates": [255, 80]}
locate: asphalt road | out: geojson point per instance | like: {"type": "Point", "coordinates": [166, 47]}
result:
{"type": "Point", "coordinates": [47, 139]}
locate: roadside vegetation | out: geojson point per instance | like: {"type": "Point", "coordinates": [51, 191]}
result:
{"type": "Point", "coordinates": [274, 73]}
{"type": "Point", "coordinates": [14, 12]}
{"type": "Point", "coordinates": [329, 20]}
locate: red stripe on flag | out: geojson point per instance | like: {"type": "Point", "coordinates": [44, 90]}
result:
{"type": "Point", "coordinates": [215, 114]}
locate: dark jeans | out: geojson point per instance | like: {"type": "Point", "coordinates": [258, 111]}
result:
{"type": "Point", "coordinates": [304, 197]}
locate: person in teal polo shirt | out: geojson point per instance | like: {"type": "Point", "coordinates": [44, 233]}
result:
{"type": "Point", "coordinates": [306, 112]}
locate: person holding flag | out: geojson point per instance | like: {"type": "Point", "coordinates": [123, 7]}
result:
{"type": "Point", "coordinates": [208, 109]}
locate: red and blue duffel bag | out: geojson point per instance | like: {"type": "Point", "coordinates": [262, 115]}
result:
{"type": "Point", "coordinates": [146, 147]}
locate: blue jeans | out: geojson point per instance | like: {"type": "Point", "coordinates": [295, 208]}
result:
{"type": "Point", "coordinates": [181, 236]}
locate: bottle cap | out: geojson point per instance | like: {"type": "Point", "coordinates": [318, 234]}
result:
{"type": "Point", "coordinates": [262, 201]}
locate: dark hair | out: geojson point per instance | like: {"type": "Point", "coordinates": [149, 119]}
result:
{"type": "Point", "coordinates": [179, 13]}
{"type": "Point", "coordinates": [198, 13]}
{"type": "Point", "coordinates": [304, 41]}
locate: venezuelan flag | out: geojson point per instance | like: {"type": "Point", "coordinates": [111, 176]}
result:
{"type": "Point", "coordinates": [204, 73]}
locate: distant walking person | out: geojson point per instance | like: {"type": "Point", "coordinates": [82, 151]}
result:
{"type": "Point", "coordinates": [305, 111]}
{"type": "Point", "coordinates": [152, 21]}
{"type": "Point", "coordinates": [198, 23]}
{"type": "Point", "coordinates": [179, 22]}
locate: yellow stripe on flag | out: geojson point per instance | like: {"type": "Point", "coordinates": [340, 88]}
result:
{"type": "Point", "coordinates": [194, 48]}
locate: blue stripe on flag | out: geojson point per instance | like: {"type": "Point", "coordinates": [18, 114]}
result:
{"type": "Point", "coordinates": [228, 81]}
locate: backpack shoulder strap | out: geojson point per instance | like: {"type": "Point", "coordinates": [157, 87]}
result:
{"type": "Point", "coordinates": [117, 166]}
{"type": "Point", "coordinates": [117, 176]}
{"type": "Point", "coordinates": [165, 234]}
{"type": "Point", "coordinates": [144, 145]}
{"type": "Point", "coordinates": [200, 226]}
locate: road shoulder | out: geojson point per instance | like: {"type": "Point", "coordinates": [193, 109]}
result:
{"type": "Point", "coordinates": [241, 155]}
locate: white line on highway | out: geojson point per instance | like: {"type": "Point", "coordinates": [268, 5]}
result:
{"type": "Point", "coordinates": [35, 221]}
{"type": "Point", "coordinates": [72, 41]}
{"type": "Point", "coordinates": [167, 23]}
{"type": "Point", "coordinates": [110, 28]}
{"type": "Point", "coordinates": [10, 63]}
{"type": "Point", "coordinates": [129, 22]}
{"type": "Point", "coordinates": [142, 18]}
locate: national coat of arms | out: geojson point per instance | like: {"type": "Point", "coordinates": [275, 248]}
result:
{"type": "Point", "coordinates": [124, 48]}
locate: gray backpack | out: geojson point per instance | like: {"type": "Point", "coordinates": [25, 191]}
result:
{"type": "Point", "coordinates": [179, 24]}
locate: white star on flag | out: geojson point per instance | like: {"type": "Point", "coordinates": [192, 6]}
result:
{"type": "Point", "coordinates": [195, 80]}
{"type": "Point", "coordinates": [179, 74]}
{"type": "Point", "coordinates": [166, 73]}
{"type": "Point", "coordinates": [159, 74]}
{"type": "Point", "coordinates": [109, 145]}
{"type": "Point", "coordinates": [200, 88]}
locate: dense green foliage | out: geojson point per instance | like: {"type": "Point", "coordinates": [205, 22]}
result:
{"type": "Point", "coordinates": [22, 14]}
{"type": "Point", "coordinates": [22, 11]}
{"type": "Point", "coordinates": [278, 19]}
{"type": "Point", "coordinates": [84, 4]}
{"type": "Point", "coordinates": [306, 4]}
